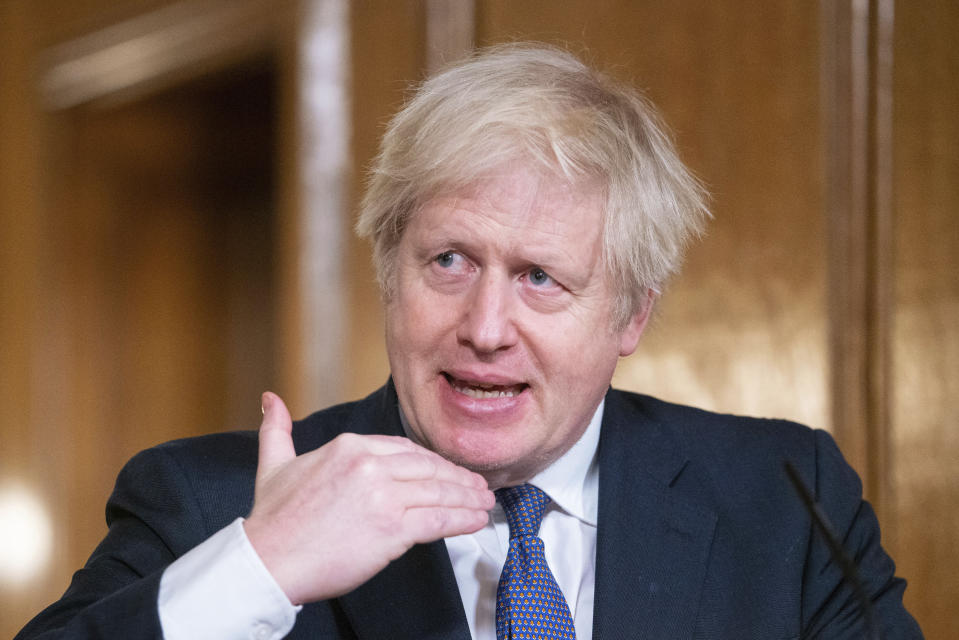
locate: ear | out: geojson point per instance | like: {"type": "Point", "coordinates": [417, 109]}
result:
{"type": "Point", "coordinates": [629, 338]}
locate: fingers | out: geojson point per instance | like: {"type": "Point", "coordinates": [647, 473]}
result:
{"type": "Point", "coordinates": [410, 461]}
{"type": "Point", "coordinates": [430, 493]}
{"type": "Point", "coordinates": [385, 445]}
{"type": "Point", "coordinates": [426, 524]}
{"type": "Point", "coordinates": [276, 442]}
{"type": "Point", "coordinates": [422, 464]}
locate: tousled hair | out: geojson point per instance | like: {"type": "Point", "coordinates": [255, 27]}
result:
{"type": "Point", "coordinates": [540, 104]}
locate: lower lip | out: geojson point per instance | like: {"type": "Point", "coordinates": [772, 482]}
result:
{"type": "Point", "coordinates": [502, 407]}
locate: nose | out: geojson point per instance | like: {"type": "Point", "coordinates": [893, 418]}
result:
{"type": "Point", "coordinates": [488, 323]}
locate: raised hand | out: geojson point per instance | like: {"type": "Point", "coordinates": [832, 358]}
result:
{"type": "Point", "coordinates": [327, 521]}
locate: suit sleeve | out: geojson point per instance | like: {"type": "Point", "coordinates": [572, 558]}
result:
{"type": "Point", "coordinates": [830, 608]}
{"type": "Point", "coordinates": [153, 518]}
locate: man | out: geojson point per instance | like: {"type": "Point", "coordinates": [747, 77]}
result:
{"type": "Point", "coordinates": [524, 213]}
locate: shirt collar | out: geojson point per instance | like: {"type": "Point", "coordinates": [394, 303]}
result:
{"type": "Point", "coordinates": [572, 482]}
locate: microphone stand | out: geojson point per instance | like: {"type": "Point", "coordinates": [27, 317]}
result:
{"type": "Point", "coordinates": [850, 571]}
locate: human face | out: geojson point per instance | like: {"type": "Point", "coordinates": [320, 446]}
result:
{"type": "Point", "coordinates": [500, 329]}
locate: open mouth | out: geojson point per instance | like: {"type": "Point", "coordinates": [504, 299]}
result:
{"type": "Point", "coordinates": [482, 390]}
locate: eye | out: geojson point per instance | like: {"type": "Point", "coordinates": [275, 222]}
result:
{"type": "Point", "coordinates": [446, 259]}
{"type": "Point", "coordinates": [539, 278]}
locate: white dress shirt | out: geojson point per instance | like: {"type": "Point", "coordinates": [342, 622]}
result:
{"type": "Point", "coordinates": [221, 589]}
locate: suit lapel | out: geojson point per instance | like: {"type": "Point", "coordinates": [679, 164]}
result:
{"type": "Point", "coordinates": [652, 541]}
{"type": "Point", "coordinates": [416, 596]}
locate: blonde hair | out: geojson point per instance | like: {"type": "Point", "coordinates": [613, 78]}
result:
{"type": "Point", "coordinates": [539, 103]}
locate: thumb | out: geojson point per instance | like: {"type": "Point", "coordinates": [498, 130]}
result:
{"type": "Point", "coordinates": [276, 443]}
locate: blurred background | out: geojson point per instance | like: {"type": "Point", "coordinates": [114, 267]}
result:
{"type": "Point", "coordinates": [178, 181]}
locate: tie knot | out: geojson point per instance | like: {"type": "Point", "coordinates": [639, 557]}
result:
{"type": "Point", "coordinates": [524, 506]}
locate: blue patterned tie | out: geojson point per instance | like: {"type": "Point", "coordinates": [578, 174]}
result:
{"type": "Point", "coordinates": [529, 603]}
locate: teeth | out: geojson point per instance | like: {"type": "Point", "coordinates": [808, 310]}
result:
{"type": "Point", "coordinates": [480, 393]}
{"type": "Point", "coordinates": [483, 392]}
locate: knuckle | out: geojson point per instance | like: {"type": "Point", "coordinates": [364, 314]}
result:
{"type": "Point", "coordinates": [346, 440]}
{"type": "Point", "coordinates": [365, 467]}
{"type": "Point", "coordinates": [430, 466]}
{"type": "Point", "coordinates": [336, 445]}
{"type": "Point", "coordinates": [439, 518]}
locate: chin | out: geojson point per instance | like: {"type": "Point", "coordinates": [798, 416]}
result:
{"type": "Point", "coordinates": [477, 454]}
{"type": "Point", "coordinates": [501, 463]}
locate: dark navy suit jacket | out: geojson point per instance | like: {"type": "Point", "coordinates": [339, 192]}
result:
{"type": "Point", "coordinates": [700, 535]}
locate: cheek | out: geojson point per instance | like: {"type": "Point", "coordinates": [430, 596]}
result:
{"type": "Point", "coordinates": [595, 356]}
{"type": "Point", "coordinates": [417, 321]}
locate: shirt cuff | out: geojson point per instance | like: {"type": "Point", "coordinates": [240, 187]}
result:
{"type": "Point", "coordinates": [221, 589]}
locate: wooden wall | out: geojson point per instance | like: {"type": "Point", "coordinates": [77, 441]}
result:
{"type": "Point", "coordinates": [923, 472]}
{"type": "Point", "coordinates": [140, 257]}
{"type": "Point", "coordinates": [163, 267]}
{"type": "Point", "coordinates": [154, 274]}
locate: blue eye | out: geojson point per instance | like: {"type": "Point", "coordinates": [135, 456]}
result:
{"type": "Point", "coordinates": [539, 278]}
{"type": "Point", "coordinates": [446, 259]}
